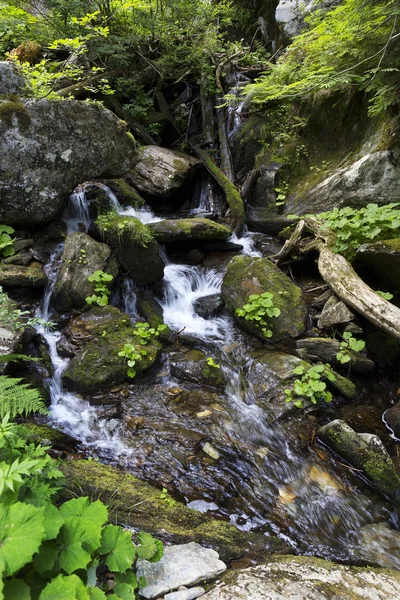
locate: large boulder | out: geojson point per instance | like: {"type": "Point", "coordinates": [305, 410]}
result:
{"type": "Point", "coordinates": [246, 276]}
{"type": "Point", "coordinates": [304, 578]}
{"type": "Point", "coordinates": [381, 259]}
{"type": "Point", "coordinates": [48, 147]}
{"type": "Point", "coordinates": [371, 179]}
{"type": "Point", "coordinates": [82, 256]}
{"type": "Point", "coordinates": [11, 82]}
{"type": "Point", "coordinates": [161, 172]}
{"type": "Point", "coordinates": [363, 451]}
{"type": "Point", "coordinates": [100, 335]}
{"type": "Point", "coordinates": [134, 247]}
{"type": "Point", "coordinates": [196, 230]}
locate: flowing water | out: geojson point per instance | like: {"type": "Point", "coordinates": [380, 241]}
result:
{"type": "Point", "coordinates": [296, 496]}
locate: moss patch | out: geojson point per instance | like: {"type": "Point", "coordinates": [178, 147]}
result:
{"type": "Point", "coordinates": [13, 107]}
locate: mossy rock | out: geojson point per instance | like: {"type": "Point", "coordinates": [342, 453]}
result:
{"type": "Point", "coordinates": [126, 194]}
{"type": "Point", "coordinates": [134, 247]}
{"type": "Point", "coordinates": [365, 452]}
{"type": "Point", "coordinates": [31, 276]}
{"type": "Point", "coordinates": [97, 365]}
{"type": "Point", "coordinates": [137, 504]}
{"type": "Point", "coordinates": [247, 275]}
{"type": "Point", "coordinates": [196, 230]}
{"type": "Point", "coordinates": [192, 366]}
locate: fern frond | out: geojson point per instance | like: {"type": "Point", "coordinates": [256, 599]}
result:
{"type": "Point", "coordinates": [18, 398]}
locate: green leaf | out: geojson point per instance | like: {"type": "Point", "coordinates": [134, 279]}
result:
{"type": "Point", "coordinates": [21, 533]}
{"type": "Point", "coordinates": [118, 547]}
{"type": "Point", "coordinates": [92, 515]}
{"type": "Point", "coordinates": [299, 370]}
{"type": "Point", "coordinates": [45, 559]}
{"type": "Point", "coordinates": [96, 594]}
{"type": "Point", "coordinates": [16, 589]}
{"type": "Point", "coordinates": [71, 537]}
{"type": "Point", "coordinates": [150, 548]}
{"type": "Point", "coordinates": [125, 591]}
{"type": "Point", "coordinates": [53, 520]}
{"type": "Point", "coordinates": [65, 588]}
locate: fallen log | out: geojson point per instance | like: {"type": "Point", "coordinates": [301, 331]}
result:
{"type": "Point", "coordinates": [338, 273]}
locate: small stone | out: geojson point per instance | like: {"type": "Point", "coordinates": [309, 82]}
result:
{"type": "Point", "coordinates": [185, 594]}
{"type": "Point", "coordinates": [335, 312]}
{"type": "Point", "coordinates": [212, 452]}
{"type": "Point", "coordinates": [184, 564]}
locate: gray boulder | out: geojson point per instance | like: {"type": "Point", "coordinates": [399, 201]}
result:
{"type": "Point", "coordinates": [185, 564]}
{"type": "Point", "coordinates": [11, 82]}
{"type": "Point", "coordinates": [48, 147]}
{"type": "Point", "coordinates": [161, 172]}
{"type": "Point", "coordinates": [303, 578]}
{"type": "Point", "coordinates": [247, 275]}
{"type": "Point", "coordinates": [364, 451]}
{"type": "Point", "coordinates": [335, 312]}
{"type": "Point", "coordinates": [82, 256]}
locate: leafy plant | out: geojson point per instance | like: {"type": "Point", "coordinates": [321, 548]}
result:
{"type": "Point", "coordinates": [348, 347]}
{"type": "Point", "coordinates": [260, 308]}
{"type": "Point", "coordinates": [132, 353]}
{"type": "Point", "coordinates": [385, 295]}
{"type": "Point", "coordinates": [18, 398]}
{"type": "Point", "coordinates": [6, 241]}
{"type": "Point", "coordinates": [116, 224]}
{"type": "Point", "coordinates": [167, 498]}
{"type": "Point", "coordinates": [311, 385]}
{"type": "Point", "coordinates": [355, 227]}
{"type": "Point", "coordinates": [101, 289]}
{"type": "Point", "coordinates": [211, 362]}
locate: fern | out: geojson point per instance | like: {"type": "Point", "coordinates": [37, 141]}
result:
{"type": "Point", "coordinates": [18, 398]}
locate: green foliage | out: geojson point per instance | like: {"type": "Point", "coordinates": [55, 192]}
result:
{"type": "Point", "coordinates": [9, 316]}
{"type": "Point", "coordinates": [101, 289]}
{"type": "Point", "coordinates": [211, 362]}
{"type": "Point", "coordinates": [6, 242]}
{"type": "Point", "coordinates": [132, 352]}
{"type": "Point", "coordinates": [167, 498]}
{"type": "Point", "coordinates": [311, 385]}
{"type": "Point", "coordinates": [348, 347]}
{"type": "Point", "coordinates": [18, 398]}
{"type": "Point", "coordinates": [385, 295]}
{"type": "Point", "coordinates": [114, 223]}
{"type": "Point", "coordinates": [353, 44]}
{"type": "Point", "coordinates": [355, 227]}
{"type": "Point", "coordinates": [260, 308]}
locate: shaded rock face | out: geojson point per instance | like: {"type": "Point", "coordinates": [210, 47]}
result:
{"type": "Point", "coordinates": [31, 276]}
{"type": "Point", "coordinates": [372, 178]}
{"type": "Point", "coordinates": [98, 336]}
{"type": "Point", "coordinates": [82, 256]}
{"type": "Point", "coordinates": [161, 172]}
{"type": "Point", "coordinates": [305, 578]}
{"type": "Point", "coordinates": [364, 451]}
{"type": "Point", "coordinates": [180, 230]}
{"type": "Point", "coordinates": [10, 80]}
{"type": "Point", "coordinates": [391, 419]}
{"type": "Point", "coordinates": [138, 255]}
{"type": "Point", "coordinates": [48, 147]}
{"type": "Point", "coordinates": [382, 259]}
{"type": "Point", "coordinates": [245, 276]}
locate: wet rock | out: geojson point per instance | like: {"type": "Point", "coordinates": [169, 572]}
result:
{"type": "Point", "coordinates": [180, 230]}
{"type": "Point", "coordinates": [363, 451]}
{"type": "Point", "coordinates": [48, 147]}
{"type": "Point", "coordinates": [222, 247]}
{"type": "Point", "coordinates": [193, 257]}
{"type": "Point", "coordinates": [22, 258]}
{"type": "Point", "coordinates": [380, 545]}
{"type": "Point", "coordinates": [11, 82]}
{"type": "Point", "coordinates": [190, 594]}
{"type": "Point", "coordinates": [208, 306]}
{"type": "Point", "coordinates": [186, 564]}
{"type": "Point", "coordinates": [82, 256]}
{"type": "Point", "coordinates": [247, 275]}
{"type": "Point", "coordinates": [335, 312]}
{"type": "Point", "coordinates": [126, 194]}
{"type": "Point", "coordinates": [100, 335]}
{"type": "Point", "coordinates": [192, 366]}
{"type": "Point", "coordinates": [391, 418]}
{"type": "Point", "coordinates": [303, 578]}
{"type": "Point", "coordinates": [135, 249]}
{"type": "Point", "coordinates": [174, 522]}
{"type": "Point", "coordinates": [325, 349]}
{"type": "Point", "coordinates": [161, 172]}
{"type": "Point", "coordinates": [20, 276]}
{"type": "Point", "coordinates": [382, 259]}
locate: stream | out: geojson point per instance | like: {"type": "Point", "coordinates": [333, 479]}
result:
{"type": "Point", "coordinates": [261, 480]}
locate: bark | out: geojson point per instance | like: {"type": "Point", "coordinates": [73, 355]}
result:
{"type": "Point", "coordinates": [338, 273]}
